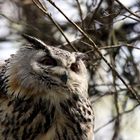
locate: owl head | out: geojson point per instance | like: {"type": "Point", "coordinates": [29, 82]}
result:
{"type": "Point", "coordinates": [41, 70]}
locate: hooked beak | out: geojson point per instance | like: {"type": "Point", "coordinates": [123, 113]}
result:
{"type": "Point", "coordinates": [64, 77]}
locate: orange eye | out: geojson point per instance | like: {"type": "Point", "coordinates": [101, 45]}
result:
{"type": "Point", "coordinates": [74, 67]}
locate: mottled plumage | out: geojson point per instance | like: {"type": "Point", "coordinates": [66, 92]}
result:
{"type": "Point", "coordinates": [43, 95]}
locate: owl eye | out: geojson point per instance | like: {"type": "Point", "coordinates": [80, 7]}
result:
{"type": "Point", "coordinates": [48, 61]}
{"type": "Point", "coordinates": [74, 67]}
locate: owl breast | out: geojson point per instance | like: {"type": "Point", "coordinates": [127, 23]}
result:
{"type": "Point", "coordinates": [71, 119]}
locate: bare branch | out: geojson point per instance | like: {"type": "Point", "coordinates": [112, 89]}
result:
{"type": "Point", "coordinates": [80, 12]}
{"type": "Point", "coordinates": [113, 119]}
{"type": "Point", "coordinates": [92, 18]}
{"type": "Point", "coordinates": [110, 47]}
{"type": "Point", "coordinates": [44, 10]}
{"type": "Point", "coordinates": [128, 9]}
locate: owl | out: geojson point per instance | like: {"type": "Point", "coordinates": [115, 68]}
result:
{"type": "Point", "coordinates": [44, 95]}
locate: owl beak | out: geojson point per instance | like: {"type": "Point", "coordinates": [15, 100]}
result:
{"type": "Point", "coordinates": [64, 77]}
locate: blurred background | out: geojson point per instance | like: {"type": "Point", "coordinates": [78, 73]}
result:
{"type": "Point", "coordinates": [114, 26]}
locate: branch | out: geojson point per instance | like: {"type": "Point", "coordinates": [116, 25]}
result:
{"type": "Point", "coordinates": [96, 10]}
{"type": "Point", "coordinates": [110, 47]}
{"type": "Point", "coordinates": [116, 100]}
{"type": "Point", "coordinates": [113, 119]}
{"type": "Point", "coordinates": [44, 10]}
{"type": "Point", "coordinates": [80, 12]}
{"type": "Point", "coordinates": [128, 9]}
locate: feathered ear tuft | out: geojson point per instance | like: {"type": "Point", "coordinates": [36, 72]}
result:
{"type": "Point", "coordinates": [37, 44]}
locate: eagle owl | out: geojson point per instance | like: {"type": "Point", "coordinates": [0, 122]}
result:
{"type": "Point", "coordinates": [44, 95]}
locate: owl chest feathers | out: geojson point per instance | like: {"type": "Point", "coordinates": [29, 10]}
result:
{"type": "Point", "coordinates": [41, 120]}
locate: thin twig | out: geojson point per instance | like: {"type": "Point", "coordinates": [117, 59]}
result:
{"type": "Point", "coordinates": [129, 16]}
{"type": "Point", "coordinates": [96, 10]}
{"type": "Point", "coordinates": [21, 22]}
{"type": "Point", "coordinates": [110, 47]}
{"type": "Point", "coordinates": [113, 119]}
{"type": "Point", "coordinates": [80, 13]}
{"type": "Point", "coordinates": [121, 45]}
{"type": "Point", "coordinates": [117, 122]}
{"type": "Point", "coordinates": [44, 10]}
{"type": "Point", "coordinates": [128, 9]}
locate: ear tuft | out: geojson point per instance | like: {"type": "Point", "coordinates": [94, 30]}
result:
{"type": "Point", "coordinates": [36, 43]}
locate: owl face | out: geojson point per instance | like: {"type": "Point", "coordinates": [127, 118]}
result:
{"type": "Point", "coordinates": [48, 71]}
